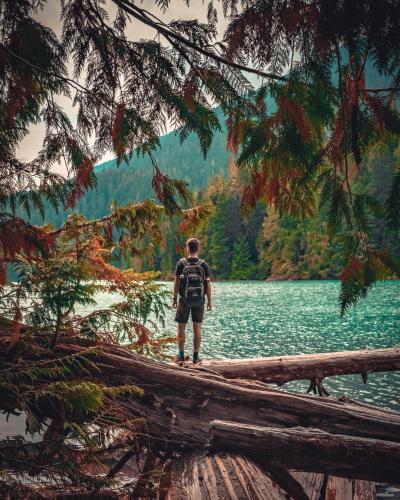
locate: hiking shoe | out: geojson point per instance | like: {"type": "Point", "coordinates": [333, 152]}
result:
{"type": "Point", "coordinates": [178, 360]}
{"type": "Point", "coordinates": [197, 361]}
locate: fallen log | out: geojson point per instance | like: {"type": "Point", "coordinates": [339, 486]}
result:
{"type": "Point", "coordinates": [174, 412]}
{"type": "Point", "coordinates": [310, 450]}
{"type": "Point", "coordinates": [326, 487]}
{"type": "Point", "coordinates": [314, 367]}
{"type": "Point", "coordinates": [212, 477]}
{"type": "Point", "coordinates": [179, 404]}
{"type": "Point", "coordinates": [231, 476]}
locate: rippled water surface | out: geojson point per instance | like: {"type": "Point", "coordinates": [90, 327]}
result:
{"type": "Point", "coordinates": [275, 318]}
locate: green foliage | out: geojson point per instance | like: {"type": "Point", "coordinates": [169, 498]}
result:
{"type": "Point", "coordinates": [319, 122]}
{"type": "Point", "coordinates": [242, 268]}
{"type": "Point", "coordinates": [288, 247]}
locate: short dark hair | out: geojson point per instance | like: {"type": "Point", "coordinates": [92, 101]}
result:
{"type": "Point", "coordinates": [193, 245]}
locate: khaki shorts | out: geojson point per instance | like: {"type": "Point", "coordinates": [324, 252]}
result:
{"type": "Point", "coordinates": [183, 312]}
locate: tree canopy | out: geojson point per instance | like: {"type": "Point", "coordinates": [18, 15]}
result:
{"type": "Point", "coordinates": [300, 136]}
{"type": "Point", "coordinates": [301, 154]}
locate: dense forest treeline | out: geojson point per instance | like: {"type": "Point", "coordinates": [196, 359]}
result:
{"type": "Point", "coordinates": [264, 245]}
{"type": "Point", "coordinates": [258, 246]}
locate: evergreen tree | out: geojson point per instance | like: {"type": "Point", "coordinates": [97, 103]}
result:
{"type": "Point", "coordinates": [220, 248]}
{"type": "Point", "coordinates": [242, 267]}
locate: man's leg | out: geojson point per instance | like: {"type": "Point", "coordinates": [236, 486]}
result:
{"type": "Point", "coordinates": [181, 317]}
{"type": "Point", "coordinates": [181, 340]}
{"type": "Point", "coordinates": [197, 318]}
{"type": "Point", "coordinates": [196, 340]}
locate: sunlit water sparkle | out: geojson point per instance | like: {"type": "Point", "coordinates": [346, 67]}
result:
{"type": "Point", "coordinates": [253, 318]}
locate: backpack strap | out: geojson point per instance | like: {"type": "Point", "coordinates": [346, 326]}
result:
{"type": "Point", "coordinates": [185, 262]}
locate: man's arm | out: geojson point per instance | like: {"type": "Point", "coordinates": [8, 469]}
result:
{"type": "Point", "coordinates": [209, 304]}
{"type": "Point", "coordinates": [207, 273]}
{"type": "Point", "coordinates": [176, 290]}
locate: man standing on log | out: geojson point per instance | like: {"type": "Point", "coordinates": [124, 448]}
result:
{"type": "Point", "coordinates": [192, 283]}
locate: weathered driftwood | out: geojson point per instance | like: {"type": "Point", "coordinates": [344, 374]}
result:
{"type": "Point", "coordinates": [314, 367]}
{"type": "Point", "coordinates": [179, 404]}
{"type": "Point", "coordinates": [310, 450]}
{"type": "Point", "coordinates": [231, 476]}
{"type": "Point", "coordinates": [324, 486]}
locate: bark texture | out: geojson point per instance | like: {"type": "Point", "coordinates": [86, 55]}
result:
{"type": "Point", "coordinates": [311, 450]}
{"type": "Point", "coordinates": [229, 476]}
{"type": "Point", "coordinates": [180, 403]}
{"type": "Point", "coordinates": [282, 369]}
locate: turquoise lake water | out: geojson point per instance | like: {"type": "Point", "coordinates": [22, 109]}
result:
{"type": "Point", "coordinates": [255, 318]}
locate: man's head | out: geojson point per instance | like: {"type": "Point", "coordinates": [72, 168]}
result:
{"type": "Point", "coordinates": [193, 246]}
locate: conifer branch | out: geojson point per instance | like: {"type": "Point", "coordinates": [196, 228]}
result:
{"type": "Point", "coordinates": [73, 83]}
{"type": "Point", "coordinates": [341, 95]}
{"type": "Point", "coordinates": [140, 14]}
{"type": "Point", "coordinates": [387, 89]}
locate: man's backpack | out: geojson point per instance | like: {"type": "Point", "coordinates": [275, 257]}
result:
{"type": "Point", "coordinates": [192, 283]}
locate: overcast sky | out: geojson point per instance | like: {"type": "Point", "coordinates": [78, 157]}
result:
{"type": "Point", "coordinates": [50, 16]}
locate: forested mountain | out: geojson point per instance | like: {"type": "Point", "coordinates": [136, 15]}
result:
{"type": "Point", "coordinates": [260, 246]}
{"type": "Point", "coordinates": [265, 245]}
{"type": "Point", "coordinates": [131, 181]}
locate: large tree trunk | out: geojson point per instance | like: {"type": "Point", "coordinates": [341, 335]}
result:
{"type": "Point", "coordinates": [326, 487]}
{"type": "Point", "coordinates": [231, 476]}
{"type": "Point", "coordinates": [282, 369]}
{"type": "Point", "coordinates": [179, 403]}
{"type": "Point", "coordinates": [311, 450]}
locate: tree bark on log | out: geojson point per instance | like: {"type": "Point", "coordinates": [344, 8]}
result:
{"type": "Point", "coordinates": [231, 476]}
{"type": "Point", "coordinates": [282, 369]}
{"type": "Point", "coordinates": [179, 403]}
{"type": "Point", "coordinates": [310, 450]}
{"type": "Point", "coordinates": [326, 487]}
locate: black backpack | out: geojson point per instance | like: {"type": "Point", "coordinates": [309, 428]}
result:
{"type": "Point", "coordinates": [192, 283]}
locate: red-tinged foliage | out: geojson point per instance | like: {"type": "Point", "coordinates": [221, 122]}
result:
{"type": "Point", "coordinates": [235, 40]}
{"type": "Point", "coordinates": [118, 144]}
{"type": "Point", "coordinates": [143, 333]}
{"type": "Point", "coordinates": [21, 91]}
{"type": "Point", "coordinates": [19, 237]}
{"type": "Point", "coordinates": [272, 190]}
{"type": "Point", "coordinates": [255, 190]}
{"type": "Point", "coordinates": [294, 112]}
{"type": "Point", "coordinates": [179, 248]}
{"type": "Point", "coordinates": [3, 273]}
{"type": "Point", "coordinates": [376, 106]}
{"type": "Point", "coordinates": [191, 218]}
{"type": "Point", "coordinates": [189, 90]}
{"type": "Point", "coordinates": [102, 270]}
{"type": "Point", "coordinates": [158, 182]}
{"type": "Point", "coordinates": [352, 269]}
{"type": "Point", "coordinates": [82, 182]}
{"type": "Point", "coordinates": [83, 166]}
{"type": "Point", "coordinates": [236, 128]}
{"type": "Point", "coordinates": [16, 327]}
{"type": "Point", "coordinates": [332, 150]}
{"type": "Point", "coordinates": [108, 232]}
